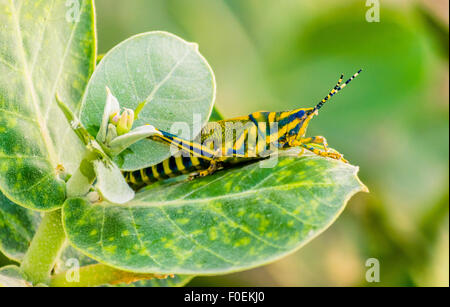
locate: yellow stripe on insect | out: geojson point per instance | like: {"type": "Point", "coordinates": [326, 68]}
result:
{"type": "Point", "coordinates": [240, 141]}
{"type": "Point", "coordinates": [144, 176]}
{"type": "Point", "coordinates": [241, 150]}
{"type": "Point", "coordinates": [155, 172]}
{"type": "Point", "coordinates": [281, 132]}
{"type": "Point", "coordinates": [180, 164]}
{"type": "Point", "coordinates": [195, 161]}
{"type": "Point", "coordinates": [252, 145]}
{"type": "Point", "coordinates": [271, 117]}
{"type": "Point", "coordinates": [189, 146]}
{"type": "Point", "coordinates": [131, 178]}
{"type": "Point", "coordinates": [284, 115]}
{"type": "Point", "coordinates": [167, 170]}
{"type": "Point", "coordinates": [284, 128]}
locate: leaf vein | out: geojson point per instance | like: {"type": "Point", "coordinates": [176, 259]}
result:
{"type": "Point", "coordinates": [41, 40]}
{"type": "Point", "coordinates": [147, 252]}
{"type": "Point", "coordinates": [30, 84]}
{"type": "Point", "coordinates": [166, 78]}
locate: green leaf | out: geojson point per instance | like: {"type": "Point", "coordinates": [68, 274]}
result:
{"type": "Point", "coordinates": [17, 227]}
{"type": "Point", "coordinates": [11, 276]}
{"type": "Point", "coordinates": [230, 221]}
{"type": "Point", "coordinates": [4, 261]}
{"type": "Point", "coordinates": [70, 254]}
{"type": "Point", "coordinates": [215, 115]}
{"type": "Point", "coordinates": [45, 50]}
{"type": "Point", "coordinates": [166, 73]}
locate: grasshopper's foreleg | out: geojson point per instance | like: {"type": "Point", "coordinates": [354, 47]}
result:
{"type": "Point", "coordinates": [323, 153]}
{"type": "Point", "coordinates": [306, 143]}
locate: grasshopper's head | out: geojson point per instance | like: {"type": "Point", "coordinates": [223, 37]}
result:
{"type": "Point", "coordinates": [299, 119]}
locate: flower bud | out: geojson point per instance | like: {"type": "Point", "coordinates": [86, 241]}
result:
{"type": "Point", "coordinates": [114, 118]}
{"type": "Point", "coordinates": [125, 122]}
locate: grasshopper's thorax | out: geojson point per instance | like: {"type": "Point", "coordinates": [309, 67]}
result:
{"type": "Point", "coordinates": [293, 124]}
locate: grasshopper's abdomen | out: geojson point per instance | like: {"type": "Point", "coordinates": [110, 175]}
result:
{"type": "Point", "coordinates": [171, 167]}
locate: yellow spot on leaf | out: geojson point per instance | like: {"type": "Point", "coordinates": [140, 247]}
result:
{"type": "Point", "coordinates": [182, 221]}
{"type": "Point", "coordinates": [212, 234]}
{"type": "Point", "coordinates": [242, 242]}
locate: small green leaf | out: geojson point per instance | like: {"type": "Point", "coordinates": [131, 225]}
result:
{"type": "Point", "coordinates": [164, 75]}
{"type": "Point", "coordinates": [215, 115]}
{"type": "Point", "coordinates": [44, 52]}
{"type": "Point", "coordinates": [230, 221]}
{"type": "Point", "coordinates": [4, 261]}
{"type": "Point", "coordinates": [99, 58]}
{"type": "Point", "coordinates": [11, 276]}
{"type": "Point", "coordinates": [17, 227]}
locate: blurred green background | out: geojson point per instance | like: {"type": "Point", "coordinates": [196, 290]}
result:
{"type": "Point", "coordinates": [392, 121]}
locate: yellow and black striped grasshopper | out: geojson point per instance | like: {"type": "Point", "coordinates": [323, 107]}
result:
{"type": "Point", "coordinates": [238, 140]}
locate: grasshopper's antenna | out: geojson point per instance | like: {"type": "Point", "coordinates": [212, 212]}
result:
{"type": "Point", "coordinates": [336, 89]}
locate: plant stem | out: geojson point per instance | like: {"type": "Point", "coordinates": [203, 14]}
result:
{"type": "Point", "coordinates": [97, 275]}
{"type": "Point", "coordinates": [80, 182]}
{"type": "Point", "coordinates": [44, 249]}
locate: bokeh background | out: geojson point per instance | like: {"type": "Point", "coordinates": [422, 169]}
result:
{"type": "Point", "coordinates": [392, 121]}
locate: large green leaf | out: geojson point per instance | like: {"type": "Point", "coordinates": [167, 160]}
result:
{"type": "Point", "coordinates": [69, 254]}
{"type": "Point", "coordinates": [46, 49]}
{"type": "Point", "coordinates": [232, 220]}
{"type": "Point", "coordinates": [160, 69]}
{"type": "Point", "coordinates": [17, 227]}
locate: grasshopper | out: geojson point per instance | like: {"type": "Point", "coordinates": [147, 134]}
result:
{"type": "Point", "coordinates": [238, 140]}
